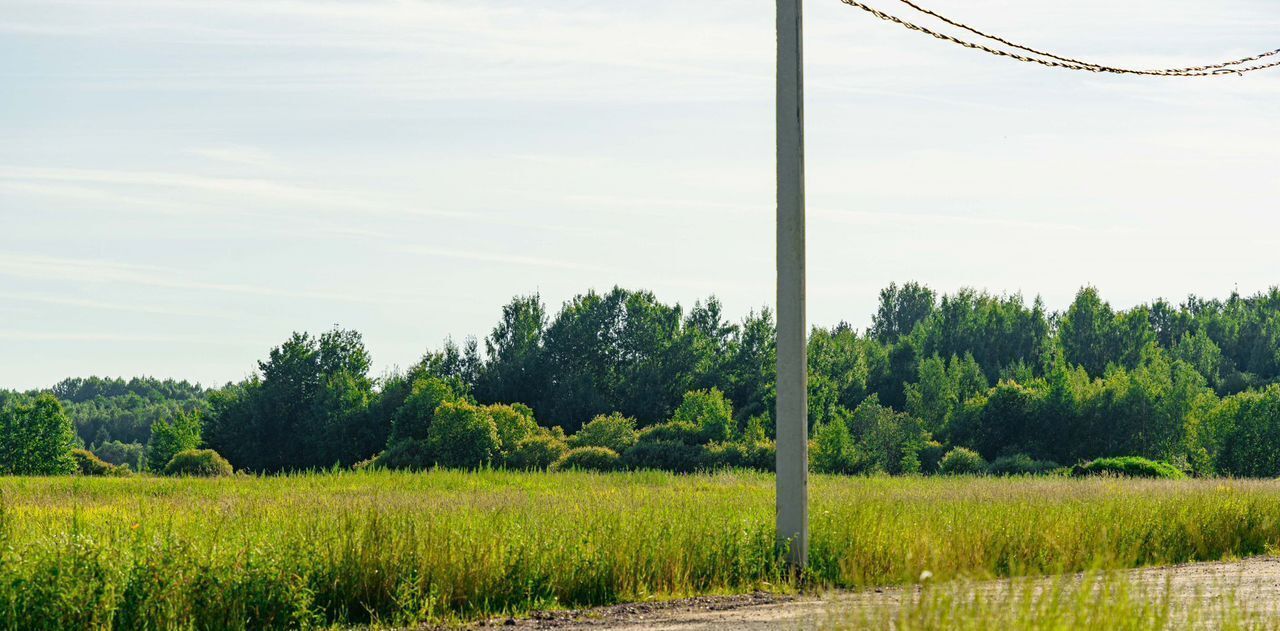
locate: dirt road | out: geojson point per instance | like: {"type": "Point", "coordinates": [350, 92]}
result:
{"type": "Point", "coordinates": [1254, 581]}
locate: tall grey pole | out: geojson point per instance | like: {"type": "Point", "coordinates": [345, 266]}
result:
{"type": "Point", "coordinates": [793, 368]}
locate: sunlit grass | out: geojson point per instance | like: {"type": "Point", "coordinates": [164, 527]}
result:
{"type": "Point", "coordinates": [1115, 602]}
{"type": "Point", "coordinates": [401, 548]}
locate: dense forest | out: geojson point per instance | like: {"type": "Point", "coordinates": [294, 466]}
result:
{"type": "Point", "coordinates": [620, 379]}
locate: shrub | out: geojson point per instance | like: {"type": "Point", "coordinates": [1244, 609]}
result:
{"type": "Point", "coordinates": [539, 451]}
{"type": "Point", "coordinates": [931, 456]}
{"type": "Point", "coordinates": [614, 432]}
{"type": "Point", "coordinates": [833, 448]}
{"type": "Point", "coordinates": [757, 429]}
{"type": "Point", "coordinates": [462, 436]}
{"type": "Point", "coordinates": [589, 459]}
{"type": "Point", "coordinates": [961, 461]}
{"type": "Point", "coordinates": [676, 457]}
{"type": "Point", "coordinates": [727, 455]}
{"type": "Point", "coordinates": [413, 419]}
{"type": "Point", "coordinates": [119, 453]}
{"type": "Point", "coordinates": [404, 455]}
{"type": "Point", "coordinates": [886, 440]}
{"type": "Point", "coordinates": [709, 411]}
{"type": "Point", "coordinates": [89, 464]}
{"type": "Point", "coordinates": [763, 455]}
{"type": "Point", "coordinates": [203, 463]}
{"type": "Point", "coordinates": [672, 432]}
{"type": "Point", "coordinates": [760, 455]}
{"type": "Point", "coordinates": [170, 437]}
{"type": "Point", "coordinates": [1021, 464]}
{"type": "Point", "coordinates": [514, 423]}
{"type": "Point", "coordinates": [1129, 466]}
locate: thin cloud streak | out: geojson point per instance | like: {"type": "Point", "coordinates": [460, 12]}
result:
{"type": "Point", "coordinates": [115, 306]}
{"type": "Point", "coordinates": [79, 270]}
{"type": "Point", "coordinates": [39, 336]}
{"type": "Point", "coordinates": [933, 219]}
{"type": "Point", "coordinates": [484, 257]}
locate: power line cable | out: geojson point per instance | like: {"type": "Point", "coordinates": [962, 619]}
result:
{"type": "Point", "coordinates": [1170, 71]}
{"type": "Point", "coordinates": [1057, 61]}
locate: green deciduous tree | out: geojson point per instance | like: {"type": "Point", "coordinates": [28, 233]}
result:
{"type": "Point", "coordinates": [709, 411]}
{"type": "Point", "coordinates": [900, 310]}
{"type": "Point", "coordinates": [36, 437]}
{"type": "Point", "coordinates": [463, 436]}
{"type": "Point", "coordinates": [887, 441]}
{"type": "Point", "coordinates": [168, 437]}
{"type": "Point", "coordinates": [514, 423]}
{"type": "Point", "coordinates": [309, 407]}
{"type": "Point", "coordinates": [833, 448]}
{"type": "Point", "coordinates": [1243, 434]}
{"type": "Point", "coordinates": [514, 352]}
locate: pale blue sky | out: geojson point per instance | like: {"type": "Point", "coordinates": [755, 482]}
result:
{"type": "Point", "coordinates": [183, 183]}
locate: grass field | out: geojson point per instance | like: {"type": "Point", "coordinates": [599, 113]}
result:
{"type": "Point", "coordinates": [1113, 602]}
{"type": "Point", "coordinates": [388, 548]}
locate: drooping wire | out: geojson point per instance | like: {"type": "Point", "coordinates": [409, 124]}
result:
{"type": "Point", "coordinates": [1057, 61]}
{"type": "Point", "coordinates": [996, 38]}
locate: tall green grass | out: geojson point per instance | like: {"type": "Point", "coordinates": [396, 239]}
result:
{"type": "Point", "coordinates": [1114, 602]}
{"type": "Point", "coordinates": [392, 548]}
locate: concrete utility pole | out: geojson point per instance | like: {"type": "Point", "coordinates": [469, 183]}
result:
{"type": "Point", "coordinates": [793, 363]}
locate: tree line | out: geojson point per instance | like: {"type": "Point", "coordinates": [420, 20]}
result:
{"type": "Point", "coordinates": [621, 379]}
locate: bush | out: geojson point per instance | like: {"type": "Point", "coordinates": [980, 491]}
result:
{"type": "Point", "coordinates": [614, 432]}
{"type": "Point", "coordinates": [539, 451]}
{"type": "Point", "coordinates": [462, 436]}
{"type": "Point", "coordinates": [931, 456]}
{"type": "Point", "coordinates": [672, 432]}
{"type": "Point", "coordinates": [1129, 466]}
{"type": "Point", "coordinates": [1021, 464]}
{"type": "Point", "coordinates": [833, 448]}
{"type": "Point", "coordinates": [119, 453]}
{"type": "Point", "coordinates": [408, 454]}
{"type": "Point", "coordinates": [413, 419]}
{"type": "Point", "coordinates": [760, 455]}
{"type": "Point", "coordinates": [671, 456]}
{"type": "Point", "coordinates": [709, 411]}
{"type": "Point", "coordinates": [170, 437]}
{"type": "Point", "coordinates": [727, 455]}
{"type": "Point", "coordinates": [886, 440]}
{"type": "Point", "coordinates": [589, 459]}
{"type": "Point", "coordinates": [203, 463]}
{"type": "Point", "coordinates": [961, 461]}
{"type": "Point", "coordinates": [89, 464]}
{"type": "Point", "coordinates": [763, 455]}
{"type": "Point", "coordinates": [514, 423]}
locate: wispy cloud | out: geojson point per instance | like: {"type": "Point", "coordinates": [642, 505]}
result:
{"type": "Point", "coordinates": [251, 187]}
{"type": "Point", "coordinates": [97, 196]}
{"type": "Point", "coordinates": [56, 336]}
{"type": "Point", "coordinates": [99, 271]}
{"type": "Point", "coordinates": [477, 256]}
{"type": "Point", "coordinates": [937, 219]}
{"type": "Point", "coordinates": [241, 155]}
{"type": "Point", "coordinates": [83, 303]}
{"type": "Point", "coordinates": [433, 50]}
{"type": "Point", "coordinates": [260, 190]}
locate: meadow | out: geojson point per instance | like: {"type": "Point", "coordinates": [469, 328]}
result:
{"type": "Point", "coordinates": [343, 548]}
{"type": "Point", "coordinates": [1097, 600]}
